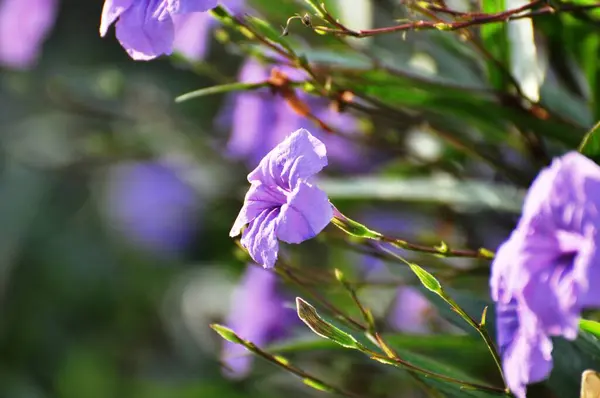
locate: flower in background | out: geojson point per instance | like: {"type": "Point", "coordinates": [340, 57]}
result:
{"type": "Point", "coordinates": [24, 25]}
{"type": "Point", "coordinates": [411, 312]}
{"type": "Point", "coordinates": [146, 28]}
{"type": "Point", "coordinates": [152, 206]}
{"type": "Point", "coordinates": [282, 203]}
{"type": "Point", "coordinates": [260, 119]}
{"type": "Point", "coordinates": [257, 314]}
{"type": "Point", "coordinates": [541, 274]}
{"type": "Point", "coordinates": [192, 30]}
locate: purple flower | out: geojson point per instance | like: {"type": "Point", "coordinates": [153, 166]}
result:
{"type": "Point", "coordinates": [411, 311]}
{"type": "Point", "coordinates": [282, 203]}
{"type": "Point", "coordinates": [145, 28]}
{"type": "Point", "coordinates": [258, 315]}
{"type": "Point", "coordinates": [261, 119]}
{"type": "Point", "coordinates": [24, 25]}
{"type": "Point", "coordinates": [540, 276]}
{"type": "Point", "coordinates": [152, 206]}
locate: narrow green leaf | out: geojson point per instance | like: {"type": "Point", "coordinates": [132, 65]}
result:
{"type": "Point", "coordinates": [224, 88]}
{"type": "Point", "coordinates": [590, 145]}
{"type": "Point", "coordinates": [309, 315]}
{"type": "Point", "coordinates": [314, 4]}
{"type": "Point", "coordinates": [317, 385]}
{"type": "Point", "coordinates": [495, 39]}
{"type": "Point", "coordinates": [353, 228]}
{"type": "Point", "coordinates": [226, 333]}
{"type": "Point", "coordinates": [483, 317]}
{"type": "Point", "coordinates": [269, 32]}
{"type": "Point", "coordinates": [428, 280]}
{"type": "Point", "coordinates": [590, 327]}
{"type": "Point", "coordinates": [461, 194]}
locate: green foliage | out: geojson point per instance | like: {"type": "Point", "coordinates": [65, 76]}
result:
{"type": "Point", "coordinates": [590, 145]}
{"type": "Point", "coordinates": [308, 314]}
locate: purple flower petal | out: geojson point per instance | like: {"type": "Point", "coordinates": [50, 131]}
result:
{"type": "Point", "coordinates": [305, 214]}
{"type": "Point", "coordinates": [192, 34]}
{"type": "Point", "coordinates": [24, 24]}
{"type": "Point", "coordinates": [146, 30]}
{"type": "Point", "coordinates": [111, 11]}
{"type": "Point", "coordinates": [260, 238]}
{"type": "Point", "coordinates": [186, 6]}
{"type": "Point", "coordinates": [258, 199]}
{"type": "Point", "coordinates": [300, 156]}
{"type": "Point", "coordinates": [526, 351]}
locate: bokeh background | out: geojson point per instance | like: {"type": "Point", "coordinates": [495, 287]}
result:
{"type": "Point", "coordinates": [116, 204]}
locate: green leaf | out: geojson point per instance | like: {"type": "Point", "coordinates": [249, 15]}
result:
{"type": "Point", "coordinates": [495, 39]}
{"type": "Point", "coordinates": [428, 280]}
{"type": "Point", "coordinates": [226, 333]}
{"type": "Point", "coordinates": [445, 104]}
{"type": "Point", "coordinates": [317, 386]}
{"type": "Point", "coordinates": [221, 89]}
{"type": "Point", "coordinates": [590, 145]}
{"type": "Point", "coordinates": [316, 7]}
{"type": "Point", "coordinates": [268, 32]}
{"type": "Point", "coordinates": [443, 353]}
{"type": "Point", "coordinates": [309, 315]}
{"type": "Point", "coordinates": [591, 327]}
{"type": "Point", "coordinates": [459, 194]}
{"type": "Point", "coordinates": [571, 358]}
{"type": "Point", "coordinates": [353, 228]}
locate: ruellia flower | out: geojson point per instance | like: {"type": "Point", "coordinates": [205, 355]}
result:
{"type": "Point", "coordinates": [282, 203]}
{"type": "Point", "coordinates": [151, 206]}
{"type": "Point", "coordinates": [541, 275]}
{"type": "Point", "coordinates": [24, 25]}
{"type": "Point", "coordinates": [145, 28]}
{"type": "Point", "coordinates": [257, 314]}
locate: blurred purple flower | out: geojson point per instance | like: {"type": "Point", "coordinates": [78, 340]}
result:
{"type": "Point", "coordinates": [260, 119]}
{"type": "Point", "coordinates": [282, 203]}
{"type": "Point", "coordinates": [411, 312]}
{"type": "Point", "coordinates": [152, 206]}
{"type": "Point", "coordinates": [257, 314]}
{"type": "Point", "coordinates": [24, 25]}
{"type": "Point", "coordinates": [542, 272]}
{"type": "Point", "coordinates": [192, 30]}
{"type": "Point", "coordinates": [145, 28]}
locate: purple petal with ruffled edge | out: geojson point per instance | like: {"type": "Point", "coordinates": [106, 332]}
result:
{"type": "Point", "coordinates": [526, 351]}
{"type": "Point", "coordinates": [305, 214]}
{"type": "Point", "coordinates": [258, 199]}
{"type": "Point", "coordinates": [24, 24]}
{"type": "Point", "coordinates": [299, 156]}
{"type": "Point", "coordinates": [111, 11]}
{"type": "Point", "coordinates": [260, 238]}
{"type": "Point", "coordinates": [145, 30]}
